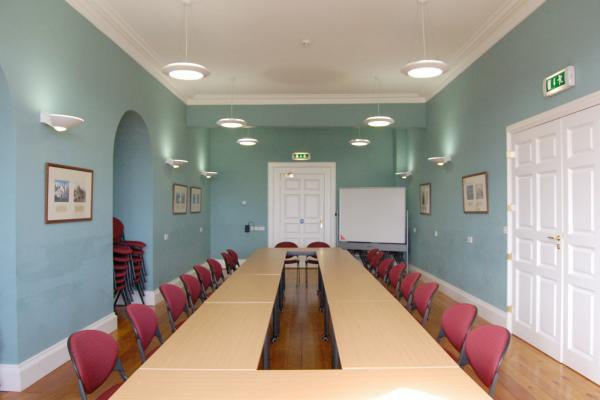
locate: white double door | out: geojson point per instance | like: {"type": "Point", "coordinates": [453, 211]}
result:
{"type": "Point", "coordinates": [555, 178]}
{"type": "Point", "coordinates": [302, 206]}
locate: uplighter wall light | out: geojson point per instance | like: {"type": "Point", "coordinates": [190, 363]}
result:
{"type": "Point", "coordinates": [404, 174]}
{"type": "Point", "coordinates": [60, 122]}
{"type": "Point", "coordinates": [175, 163]}
{"type": "Point", "coordinates": [440, 161]}
{"type": "Point", "coordinates": [208, 174]}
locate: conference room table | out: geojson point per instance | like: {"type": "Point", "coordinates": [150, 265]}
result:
{"type": "Point", "coordinates": [379, 348]}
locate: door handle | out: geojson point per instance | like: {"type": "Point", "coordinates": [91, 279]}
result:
{"type": "Point", "coordinates": [556, 238]}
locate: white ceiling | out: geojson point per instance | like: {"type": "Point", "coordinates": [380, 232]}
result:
{"type": "Point", "coordinates": [259, 43]}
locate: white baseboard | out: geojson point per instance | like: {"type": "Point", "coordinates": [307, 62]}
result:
{"type": "Point", "coordinates": [18, 377]}
{"type": "Point", "coordinates": [486, 311]}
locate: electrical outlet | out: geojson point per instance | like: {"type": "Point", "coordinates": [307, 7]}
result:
{"type": "Point", "coordinates": [259, 228]}
{"type": "Point", "coordinates": [166, 236]}
{"type": "Point", "coordinates": [435, 233]}
{"type": "Point", "coordinates": [470, 239]}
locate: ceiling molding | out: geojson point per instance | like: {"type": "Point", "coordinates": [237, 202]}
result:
{"type": "Point", "coordinates": [496, 27]}
{"type": "Point", "coordinates": [103, 17]}
{"type": "Point", "coordinates": [401, 98]}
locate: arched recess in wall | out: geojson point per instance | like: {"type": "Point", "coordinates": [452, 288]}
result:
{"type": "Point", "coordinates": [133, 191]}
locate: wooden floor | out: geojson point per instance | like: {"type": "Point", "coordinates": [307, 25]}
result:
{"type": "Point", "coordinates": [525, 374]}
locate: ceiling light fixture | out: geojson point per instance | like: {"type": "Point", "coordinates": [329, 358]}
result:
{"type": "Point", "coordinates": [185, 70]}
{"type": "Point", "coordinates": [424, 68]}
{"type": "Point", "coordinates": [440, 161]}
{"type": "Point", "coordinates": [404, 174]}
{"type": "Point", "coordinates": [230, 122]}
{"type": "Point", "coordinates": [378, 121]}
{"type": "Point", "coordinates": [247, 141]}
{"type": "Point", "coordinates": [359, 142]}
{"type": "Point", "coordinates": [60, 122]}
{"type": "Point", "coordinates": [208, 174]}
{"type": "Point", "coordinates": [175, 163]}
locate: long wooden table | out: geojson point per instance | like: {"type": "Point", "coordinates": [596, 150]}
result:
{"type": "Point", "coordinates": [383, 351]}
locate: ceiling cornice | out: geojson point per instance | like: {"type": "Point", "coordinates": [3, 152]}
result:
{"type": "Point", "coordinates": [408, 98]}
{"type": "Point", "coordinates": [495, 28]}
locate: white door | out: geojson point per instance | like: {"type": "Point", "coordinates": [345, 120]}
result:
{"type": "Point", "coordinates": [302, 204]}
{"type": "Point", "coordinates": [555, 178]}
{"type": "Point", "coordinates": [581, 174]}
{"type": "Point", "coordinates": [537, 217]}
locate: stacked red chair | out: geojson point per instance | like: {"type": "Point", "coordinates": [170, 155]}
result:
{"type": "Point", "coordinates": [134, 267]}
{"type": "Point", "coordinates": [120, 272]}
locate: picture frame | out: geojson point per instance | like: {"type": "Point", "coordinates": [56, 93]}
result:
{"type": "Point", "coordinates": [425, 198]}
{"type": "Point", "coordinates": [195, 200]}
{"type": "Point", "coordinates": [180, 199]}
{"type": "Point", "coordinates": [475, 193]}
{"type": "Point", "coordinates": [69, 194]}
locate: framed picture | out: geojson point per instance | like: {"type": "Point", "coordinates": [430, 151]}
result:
{"type": "Point", "coordinates": [425, 198]}
{"type": "Point", "coordinates": [180, 195]}
{"type": "Point", "coordinates": [475, 193]}
{"type": "Point", "coordinates": [195, 199]}
{"type": "Point", "coordinates": [69, 194]}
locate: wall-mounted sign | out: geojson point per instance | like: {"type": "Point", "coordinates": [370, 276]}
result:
{"type": "Point", "coordinates": [300, 156]}
{"type": "Point", "coordinates": [559, 81]}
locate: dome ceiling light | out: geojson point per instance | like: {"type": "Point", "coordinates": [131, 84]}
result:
{"type": "Point", "coordinates": [231, 122]}
{"type": "Point", "coordinates": [378, 121]}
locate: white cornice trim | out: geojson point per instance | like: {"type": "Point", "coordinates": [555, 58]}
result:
{"type": "Point", "coordinates": [495, 28]}
{"type": "Point", "coordinates": [103, 17]}
{"type": "Point", "coordinates": [400, 98]}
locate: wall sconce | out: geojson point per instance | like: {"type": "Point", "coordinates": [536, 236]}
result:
{"type": "Point", "coordinates": [404, 174]}
{"type": "Point", "coordinates": [208, 174]}
{"type": "Point", "coordinates": [175, 163]}
{"type": "Point", "coordinates": [60, 122]}
{"type": "Point", "coordinates": [440, 161]}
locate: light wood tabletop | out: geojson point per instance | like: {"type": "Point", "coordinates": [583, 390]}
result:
{"type": "Point", "coordinates": [383, 335]}
{"type": "Point", "coordinates": [247, 288]}
{"type": "Point", "coordinates": [413, 384]}
{"type": "Point", "coordinates": [264, 261]}
{"type": "Point", "coordinates": [217, 336]}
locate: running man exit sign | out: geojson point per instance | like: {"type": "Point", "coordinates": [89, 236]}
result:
{"type": "Point", "coordinates": [300, 156]}
{"type": "Point", "coordinates": [559, 81]}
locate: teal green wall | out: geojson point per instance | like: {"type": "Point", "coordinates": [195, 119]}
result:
{"type": "Point", "coordinates": [55, 60]}
{"type": "Point", "coordinates": [243, 173]}
{"type": "Point", "coordinates": [467, 120]}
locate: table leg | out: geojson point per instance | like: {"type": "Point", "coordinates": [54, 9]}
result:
{"type": "Point", "coordinates": [276, 325]}
{"type": "Point", "coordinates": [325, 322]}
{"type": "Point", "coordinates": [335, 356]}
{"type": "Point", "coordinates": [266, 362]}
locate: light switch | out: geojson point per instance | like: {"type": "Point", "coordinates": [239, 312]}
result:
{"type": "Point", "coordinates": [201, 229]}
{"type": "Point", "coordinates": [435, 233]}
{"type": "Point", "coordinates": [166, 236]}
{"type": "Point", "coordinates": [414, 230]}
{"type": "Point", "coordinates": [470, 239]}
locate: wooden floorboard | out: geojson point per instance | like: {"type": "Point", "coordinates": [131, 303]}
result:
{"type": "Point", "coordinates": [525, 374]}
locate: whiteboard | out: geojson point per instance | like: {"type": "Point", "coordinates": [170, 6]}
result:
{"type": "Point", "coordinates": [375, 215]}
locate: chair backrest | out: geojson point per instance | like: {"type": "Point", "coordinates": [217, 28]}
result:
{"type": "Point", "coordinates": [94, 355]}
{"type": "Point", "coordinates": [384, 267]}
{"type": "Point", "coordinates": [175, 299]}
{"type": "Point", "coordinates": [423, 297]}
{"type": "Point", "coordinates": [118, 230]}
{"type": "Point", "coordinates": [229, 263]}
{"type": "Point", "coordinates": [145, 326]}
{"type": "Point", "coordinates": [287, 245]}
{"type": "Point", "coordinates": [484, 350]}
{"type": "Point", "coordinates": [317, 245]}
{"type": "Point", "coordinates": [215, 268]}
{"type": "Point", "coordinates": [234, 257]}
{"type": "Point", "coordinates": [408, 286]}
{"type": "Point", "coordinates": [376, 259]}
{"type": "Point", "coordinates": [396, 273]}
{"type": "Point", "coordinates": [192, 288]}
{"type": "Point", "coordinates": [457, 321]}
{"type": "Point", "coordinates": [204, 276]}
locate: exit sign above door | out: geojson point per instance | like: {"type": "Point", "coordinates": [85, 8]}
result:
{"type": "Point", "coordinates": [559, 81]}
{"type": "Point", "coordinates": [300, 156]}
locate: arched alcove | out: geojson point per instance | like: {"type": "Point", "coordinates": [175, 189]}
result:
{"type": "Point", "coordinates": [133, 192]}
{"type": "Point", "coordinates": [8, 277]}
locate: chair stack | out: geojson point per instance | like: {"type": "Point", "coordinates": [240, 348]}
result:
{"type": "Point", "coordinates": [129, 268]}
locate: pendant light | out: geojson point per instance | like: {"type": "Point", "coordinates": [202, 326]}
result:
{"type": "Point", "coordinates": [378, 121]}
{"type": "Point", "coordinates": [185, 70]}
{"type": "Point", "coordinates": [231, 122]}
{"type": "Point", "coordinates": [359, 142]}
{"type": "Point", "coordinates": [425, 68]}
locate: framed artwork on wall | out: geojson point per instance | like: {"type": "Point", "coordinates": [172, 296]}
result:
{"type": "Point", "coordinates": [180, 195]}
{"type": "Point", "coordinates": [69, 194]}
{"type": "Point", "coordinates": [195, 200]}
{"type": "Point", "coordinates": [475, 193]}
{"type": "Point", "coordinates": [425, 198]}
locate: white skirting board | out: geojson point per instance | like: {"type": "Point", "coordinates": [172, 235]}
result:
{"type": "Point", "coordinates": [17, 377]}
{"type": "Point", "coordinates": [490, 313]}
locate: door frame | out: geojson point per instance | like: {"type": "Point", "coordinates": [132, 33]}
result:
{"type": "Point", "coordinates": [572, 107]}
{"type": "Point", "coordinates": [297, 166]}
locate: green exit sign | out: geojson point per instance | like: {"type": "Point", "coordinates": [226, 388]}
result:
{"type": "Point", "coordinates": [300, 156]}
{"type": "Point", "coordinates": [559, 81]}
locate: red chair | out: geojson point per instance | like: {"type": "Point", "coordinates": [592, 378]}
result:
{"type": "Point", "coordinates": [407, 287]}
{"type": "Point", "coordinates": [484, 350]}
{"type": "Point", "coordinates": [291, 260]}
{"type": "Point", "coordinates": [395, 277]}
{"type": "Point", "coordinates": [94, 355]}
{"type": "Point", "coordinates": [423, 298]}
{"type": "Point", "coordinates": [368, 259]}
{"type": "Point", "coordinates": [193, 289]}
{"type": "Point", "coordinates": [217, 272]}
{"type": "Point", "coordinates": [375, 260]}
{"type": "Point", "coordinates": [145, 327]}
{"type": "Point", "coordinates": [205, 279]}
{"type": "Point", "coordinates": [229, 262]}
{"type": "Point", "coordinates": [136, 246]}
{"type": "Point", "coordinates": [235, 258]}
{"type": "Point", "coordinates": [457, 321]}
{"type": "Point", "coordinates": [313, 260]}
{"type": "Point", "coordinates": [176, 303]}
{"type": "Point", "coordinates": [383, 268]}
